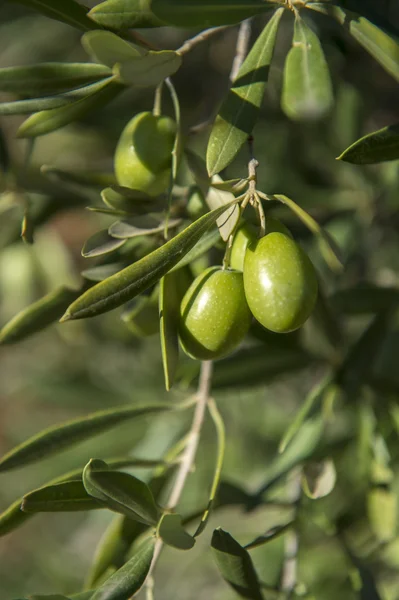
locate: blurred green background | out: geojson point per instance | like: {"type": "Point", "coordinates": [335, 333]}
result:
{"type": "Point", "coordinates": [80, 367]}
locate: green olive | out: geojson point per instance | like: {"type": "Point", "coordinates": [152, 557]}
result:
{"type": "Point", "coordinates": [143, 156]}
{"type": "Point", "coordinates": [247, 234]}
{"type": "Point", "coordinates": [280, 283]}
{"type": "Point", "coordinates": [214, 314]}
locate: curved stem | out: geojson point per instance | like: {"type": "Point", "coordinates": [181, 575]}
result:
{"type": "Point", "coordinates": [201, 37]}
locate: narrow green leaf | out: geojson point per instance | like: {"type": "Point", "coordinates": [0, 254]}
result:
{"type": "Point", "coordinates": [67, 11]}
{"type": "Point", "coordinates": [375, 147]}
{"type": "Point", "coordinates": [221, 448]}
{"type": "Point", "coordinates": [239, 112]}
{"type": "Point", "coordinates": [128, 579]}
{"type": "Point", "coordinates": [307, 88]}
{"type": "Point", "coordinates": [107, 48]}
{"type": "Point", "coordinates": [58, 437]}
{"type": "Point", "coordinates": [130, 201]}
{"type": "Point", "coordinates": [101, 243]}
{"type": "Point", "coordinates": [314, 397]}
{"type": "Point", "coordinates": [149, 224]}
{"type": "Point", "coordinates": [149, 69]}
{"type": "Point", "coordinates": [144, 273]}
{"type": "Point", "coordinates": [121, 492]}
{"type": "Point", "coordinates": [12, 518]}
{"type": "Point", "coordinates": [50, 78]}
{"type": "Point", "coordinates": [68, 496]}
{"type": "Point", "coordinates": [86, 178]}
{"type": "Point", "coordinates": [228, 221]}
{"type": "Point", "coordinates": [272, 534]}
{"type": "Point", "coordinates": [47, 121]}
{"type": "Point", "coordinates": [383, 48]}
{"type": "Point", "coordinates": [208, 241]}
{"type": "Point", "coordinates": [125, 14]}
{"type": "Point", "coordinates": [172, 532]}
{"type": "Point", "coordinates": [318, 478]}
{"type": "Point", "coordinates": [38, 315]}
{"type": "Point", "coordinates": [172, 289]}
{"type": "Point", "coordinates": [235, 565]}
{"type": "Point", "coordinates": [206, 13]}
{"type": "Point", "coordinates": [235, 186]}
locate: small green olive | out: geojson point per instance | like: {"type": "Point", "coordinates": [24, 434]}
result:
{"type": "Point", "coordinates": [214, 314]}
{"type": "Point", "coordinates": [280, 283]}
{"type": "Point", "coordinates": [143, 155]}
{"type": "Point", "coordinates": [247, 234]}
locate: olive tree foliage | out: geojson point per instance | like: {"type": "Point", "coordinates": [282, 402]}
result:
{"type": "Point", "coordinates": [156, 243]}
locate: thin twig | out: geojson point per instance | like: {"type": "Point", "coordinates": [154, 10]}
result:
{"type": "Point", "coordinates": [244, 34]}
{"type": "Point", "coordinates": [290, 566]}
{"type": "Point", "coordinates": [187, 460]}
{"type": "Point", "coordinates": [201, 37]}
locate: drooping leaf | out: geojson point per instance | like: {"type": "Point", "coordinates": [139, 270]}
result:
{"type": "Point", "coordinates": [149, 224]}
{"type": "Point", "coordinates": [228, 221]}
{"type": "Point", "coordinates": [58, 437]}
{"type": "Point", "coordinates": [172, 532]}
{"type": "Point", "coordinates": [129, 578]}
{"type": "Point", "coordinates": [206, 13]}
{"type": "Point", "coordinates": [149, 69]}
{"type": "Point", "coordinates": [144, 273]}
{"type": "Point", "coordinates": [172, 289]}
{"type": "Point", "coordinates": [376, 147]}
{"type": "Point", "coordinates": [383, 48]}
{"type": "Point", "coordinates": [50, 78]}
{"type": "Point", "coordinates": [47, 121]}
{"type": "Point", "coordinates": [85, 178]}
{"type": "Point", "coordinates": [208, 241]}
{"type": "Point", "coordinates": [69, 496]}
{"type": "Point", "coordinates": [67, 11]}
{"type": "Point", "coordinates": [129, 201]}
{"type": "Point", "coordinates": [121, 492]}
{"type": "Point", "coordinates": [38, 315]}
{"type": "Point", "coordinates": [239, 112]}
{"type": "Point", "coordinates": [125, 14]}
{"type": "Point", "coordinates": [270, 535]}
{"type": "Point", "coordinates": [101, 243]}
{"type": "Point", "coordinates": [107, 48]}
{"type": "Point", "coordinates": [318, 478]}
{"type": "Point", "coordinates": [307, 89]}
{"type": "Point", "coordinates": [235, 565]}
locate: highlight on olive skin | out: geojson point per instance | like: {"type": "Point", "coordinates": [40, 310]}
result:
{"type": "Point", "coordinates": [214, 314]}
{"type": "Point", "coordinates": [143, 156]}
{"type": "Point", "coordinates": [280, 283]}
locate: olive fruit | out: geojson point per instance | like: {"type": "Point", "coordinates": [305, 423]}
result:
{"type": "Point", "coordinates": [280, 282]}
{"type": "Point", "coordinates": [248, 233]}
{"type": "Point", "coordinates": [214, 314]}
{"type": "Point", "coordinates": [143, 156]}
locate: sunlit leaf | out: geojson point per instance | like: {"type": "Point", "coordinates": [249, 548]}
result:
{"type": "Point", "coordinates": [172, 532]}
{"type": "Point", "coordinates": [47, 121]}
{"type": "Point", "coordinates": [125, 14]}
{"type": "Point", "coordinates": [50, 78]}
{"type": "Point", "coordinates": [235, 565]}
{"type": "Point", "coordinates": [149, 69]}
{"type": "Point", "coordinates": [107, 48]}
{"type": "Point", "coordinates": [228, 221]}
{"type": "Point", "coordinates": [67, 11]}
{"type": "Point", "coordinates": [206, 13]}
{"type": "Point", "coordinates": [318, 478]}
{"type": "Point", "coordinates": [375, 147]}
{"type": "Point", "coordinates": [149, 224]}
{"type": "Point", "coordinates": [120, 492]}
{"type": "Point", "coordinates": [130, 201]}
{"type": "Point", "coordinates": [381, 46]}
{"type": "Point", "coordinates": [208, 241]}
{"type": "Point", "coordinates": [239, 112]}
{"type": "Point", "coordinates": [101, 243]}
{"type": "Point", "coordinates": [141, 275]}
{"type": "Point", "coordinates": [307, 89]}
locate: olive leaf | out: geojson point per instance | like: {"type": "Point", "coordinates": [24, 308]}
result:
{"type": "Point", "coordinates": [307, 88]}
{"type": "Point", "coordinates": [235, 565]}
{"type": "Point", "coordinates": [318, 478]}
{"type": "Point", "coordinates": [375, 147]}
{"type": "Point", "coordinates": [172, 532]}
{"type": "Point", "coordinates": [101, 243]}
{"type": "Point", "coordinates": [50, 78]}
{"type": "Point", "coordinates": [148, 224]}
{"type": "Point", "coordinates": [107, 48]}
{"type": "Point", "coordinates": [149, 69]}
{"type": "Point", "coordinates": [84, 178]}
{"type": "Point", "coordinates": [383, 48]}
{"type": "Point", "coordinates": [228, 221]}
{"type": "Point", "coordinates": [121, 492]}
{"type": "Point", "coordinates": [47, 121]}
{"type": "Point", "coordinates": [67, 11]}
{"type": "Point", "coordinates": [125, 14]}
{"type": "Point", "coordinates": [59, 437]}
{"type": "Point", "coordinates": [206, 13]}
{"type": "Point", "coordinates": [130, 201]}
{"type": "Point", "coordinates": [208, 241]}
{"type": "Point", "coordinates": [129, 578]}
{"type": "Point", "coordinates": [135, 279]}
{"type": "Point", "coordinates": [239, 112]}
{"type": "Point", "coordinates": [68, 496]}
{"type": "Point", "coordinates": [38, 315]}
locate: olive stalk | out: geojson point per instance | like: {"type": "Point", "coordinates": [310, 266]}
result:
{"type": "Point", "coordinates": [175, 151]}
{"type": "Point", "coordinates": [244, 34]}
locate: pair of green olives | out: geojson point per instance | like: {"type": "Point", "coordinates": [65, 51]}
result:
{"type": "Point", "coordinates": [271, 279]}
{"type": "Point", "coordinates": [143, 156]}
